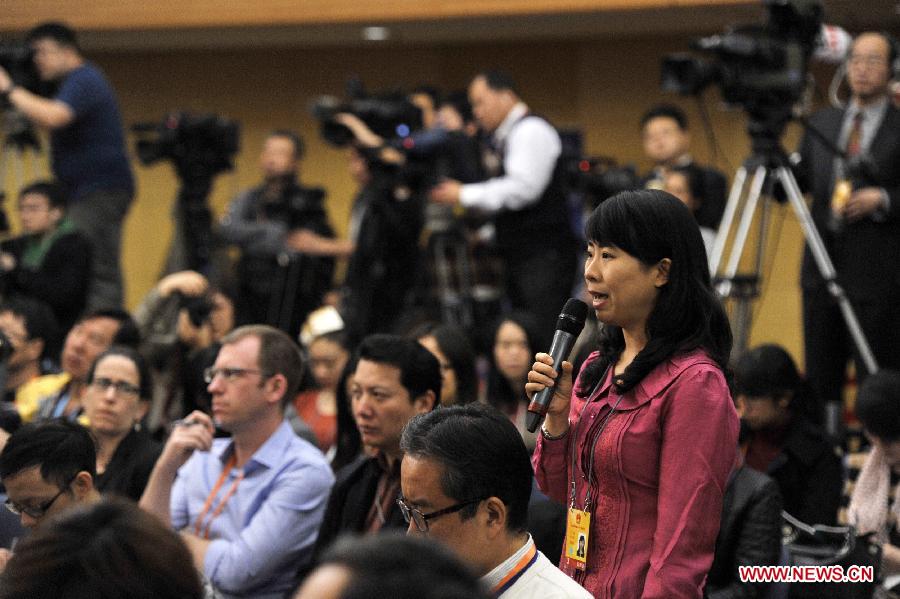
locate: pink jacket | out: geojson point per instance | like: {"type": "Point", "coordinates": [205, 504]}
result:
{"type": "Point", "coordinates": [662, 463]}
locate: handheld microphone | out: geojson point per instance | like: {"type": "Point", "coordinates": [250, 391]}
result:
{"type": "Point", "coordinates": [568, 327]}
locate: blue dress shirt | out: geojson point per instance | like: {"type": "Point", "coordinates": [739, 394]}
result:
{"type": "Point", "coordinates": [268, 525]}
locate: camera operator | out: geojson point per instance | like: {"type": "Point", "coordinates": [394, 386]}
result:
{"type": "Point", "coordinates": [181, 322]}
{"type": "Point", "coordinates": [51, 261]}
{"type": "Point", "coordinates": [525, 197]}
{"type": "Point", "coordinates": [87, 148]}
{"type": "Point", "coordinates": [287, 245]}
{"type": "Point", "coordinates": [860, 227]}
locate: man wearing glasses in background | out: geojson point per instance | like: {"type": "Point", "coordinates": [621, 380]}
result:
{"type": "Point", "coordinates": [47, 468]}
{"type": "Point", "coordinates": [466, 480]}
{"type": "Point", "coordinates": [248, 507]}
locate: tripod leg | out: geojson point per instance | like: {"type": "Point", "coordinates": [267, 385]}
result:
{"type": "Point", "coordinates": [740, 239]}
{"type": "Point", "coordinates": [734, 199]}
{"type": "Point", "coordinates": [826, 267]}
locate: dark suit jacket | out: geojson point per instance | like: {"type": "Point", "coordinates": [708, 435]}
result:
{"type": "Point", "coordinates": [866, 253]}
{"type": "Point", "coordinates": [350, 501]}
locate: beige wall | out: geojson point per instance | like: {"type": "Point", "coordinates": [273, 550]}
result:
{"type": "Point", "coordinates": [600, 85]}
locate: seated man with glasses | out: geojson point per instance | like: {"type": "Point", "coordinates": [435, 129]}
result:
{"type": "Point", "coordinates": [47, 468]}
{"type": "Point", "coordinates": [248, 507]}
{"type": "Point", "coordinates": [395, 379]}
{"type": "Point", "coordinates": [466, 482]}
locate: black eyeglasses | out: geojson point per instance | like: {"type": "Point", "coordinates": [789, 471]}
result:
{"type": "Point", "coordinates": [411, 514]}
{"type": "Point", "coordinates": [229, 374]}
{"type": "Point", "coordinates": [121, 387]}
{"type": "Point", "coordinates": [41, 510]}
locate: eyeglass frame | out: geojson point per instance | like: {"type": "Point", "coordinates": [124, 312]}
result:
{"type": "Point", "coordinates": [41, 510]}
{"type": "Point", "coordinates": [122, 387]}
{"type": "Point", "coordinates": [229, 374]}
{"type": "Point", "coordinates": [410, 513]}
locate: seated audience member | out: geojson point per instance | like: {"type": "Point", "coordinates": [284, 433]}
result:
{"type": "Point", "coordinates": [48, 467]}
{"type": "Point", "coordinates": [466, 482]}
{"type": "Point", "coordinates": [685, 183]}
{"type": "Point", "coordinates": [248, 507]}
{"type": "Point", "coordinates": [348, 444]}
{"type": "Point", "coordinates": [181, 320]}
{"type": "Point", "coordinates": [772, 400]}
{"type": "Point", "coordinates": [328, 350]}
{"type": "Point", "coordinates": [390, 566]}
{"type": "Point", "coordinates": [110, 549]}
{"type": "Point", "coordinates": [91, 336]}
{"type": "Point", "coordinates": [51, 261]}
{"type": "Point", "coordinates": [875, 503]}
{"type": "Point", "coordinates": [749, 534]}
{"type": "Point", "coordinates": [454, 352]}
{"type": "Point", "coordinates": [666, 139]}
{"type": "Point", "coordinates": [30, 328]}
{"type": "Point", "coordinates": [515, 340]}
{"type": "Point", "coordinates": [117, 399]}
{"type": "Point", "coordinates": [395, 379]}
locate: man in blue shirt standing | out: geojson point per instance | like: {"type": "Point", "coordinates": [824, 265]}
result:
{"type": "Point", "coordinates": [248, 507]}
{"type": "Point", "coordinates": [87, 148]}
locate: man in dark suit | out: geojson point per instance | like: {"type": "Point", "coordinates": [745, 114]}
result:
{"type": "Point", "coordinates": [858, 215]}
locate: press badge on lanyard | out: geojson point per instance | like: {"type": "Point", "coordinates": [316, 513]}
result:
{"type": "Point", "coordinates": [578, 529]}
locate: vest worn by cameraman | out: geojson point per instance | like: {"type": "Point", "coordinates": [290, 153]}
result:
{"type": "Point", "coordinates": [542, 224]}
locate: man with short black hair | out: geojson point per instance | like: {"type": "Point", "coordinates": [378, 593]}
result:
{"type": "Point", "coordinates": [48, 467]}
{"type": "Point", "coordinates": [667, 142]}
{"type": "Point", "coordinates": [93, 334]}
{"type": "Point", "coordinates": [525, 196]}
{"type": "Point", "coordinates": [51, 261]}
{"type": "Point", "coordinates": [287, 244]}
{"type": "Point", "coordinates": [395, 379]}
{"type": "Point", "coordinates": [28, 326]}
{"type": "Point", "coordinates": [248, 507]}
{"type": "Point", "coordinates": [466, 481]}
{"type": "Point", "coordinates": [87, 148]}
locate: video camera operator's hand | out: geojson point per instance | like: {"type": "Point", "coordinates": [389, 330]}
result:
{"type": "Point", "coordinates": [7, 262]}
{"type": "Point", "coordinates": [862, 203]}
{"type": "Point", "coordinates": [186, 282]}
{"type": "Point", "coordinates": [6, 82]}
{"type": "Point", "coordinates": [446, 192]}
{"type": "Point", "coordinates": [365, 136]}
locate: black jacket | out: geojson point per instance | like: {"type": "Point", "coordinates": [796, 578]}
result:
{"type": "Point", "coordinates": [809, 473]}
{"type": "Point", "coordinates": [749, 534]}
{"type": "Point", "coordinates": [351, 498]}
{"type": "Point", "coordinates": [129, 469]}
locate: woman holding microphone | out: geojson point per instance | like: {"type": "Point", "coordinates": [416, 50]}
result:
{"type": "Point", "coordinates": [640, 447]}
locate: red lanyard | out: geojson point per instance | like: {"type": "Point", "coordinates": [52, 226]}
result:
{"type": "Point", "coordinates": [198, 524]}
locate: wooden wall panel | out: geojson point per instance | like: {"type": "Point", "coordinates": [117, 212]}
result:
{"type": "Point", "coordinates": [134, 14]}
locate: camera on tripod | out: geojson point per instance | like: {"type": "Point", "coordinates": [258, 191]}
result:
{"type": "Point", "coordinates": [596, 178]}
{"type": "Point", "coordinates": [208, 140]}
{"type": "Point", "coordinates": [16, 58]}
{"type": "Point", "coordinates": [388, 115]}
{"type": "Point", "coordinates": [759, 67]}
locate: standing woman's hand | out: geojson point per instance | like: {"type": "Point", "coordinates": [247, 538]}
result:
{"type": "Point", "coordinates": [542, 375]}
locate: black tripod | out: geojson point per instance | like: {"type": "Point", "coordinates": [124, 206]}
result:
{"type": "Point", "coordinates": [769, 165]}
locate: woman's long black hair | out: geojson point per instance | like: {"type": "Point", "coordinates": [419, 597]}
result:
{"type": "Point", "coordinates": [651, 225]}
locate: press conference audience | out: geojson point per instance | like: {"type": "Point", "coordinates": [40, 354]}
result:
{"type": "Point", "coordinates": [516, 338]}
{"type": "Point", "coordinates": [875, 503]}
{"type": "Point", "coordinates": [773, 401]}
{"type": "Point", "coordinates": [667, 139]}
{"type": "Point", "coordinates": [395, 379]}
{"type": "Point", "coordinates": [390, 565]}
{"type": "Point", "coordinates": [109, 549]}
{"type": "Point", "coordinates": [30, 329]}
{"type": "Point", "coordinates": [116, 402]}
{"type": "Point", "coordinates": [51, 261]}
{"type": "Point", "coordinates": [453, 350]}
{"type": "Point", "coordinates": [92, 335]}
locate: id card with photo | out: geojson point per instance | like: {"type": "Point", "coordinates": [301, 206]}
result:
{"type": "Point", "coordinates": [578, 527]}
